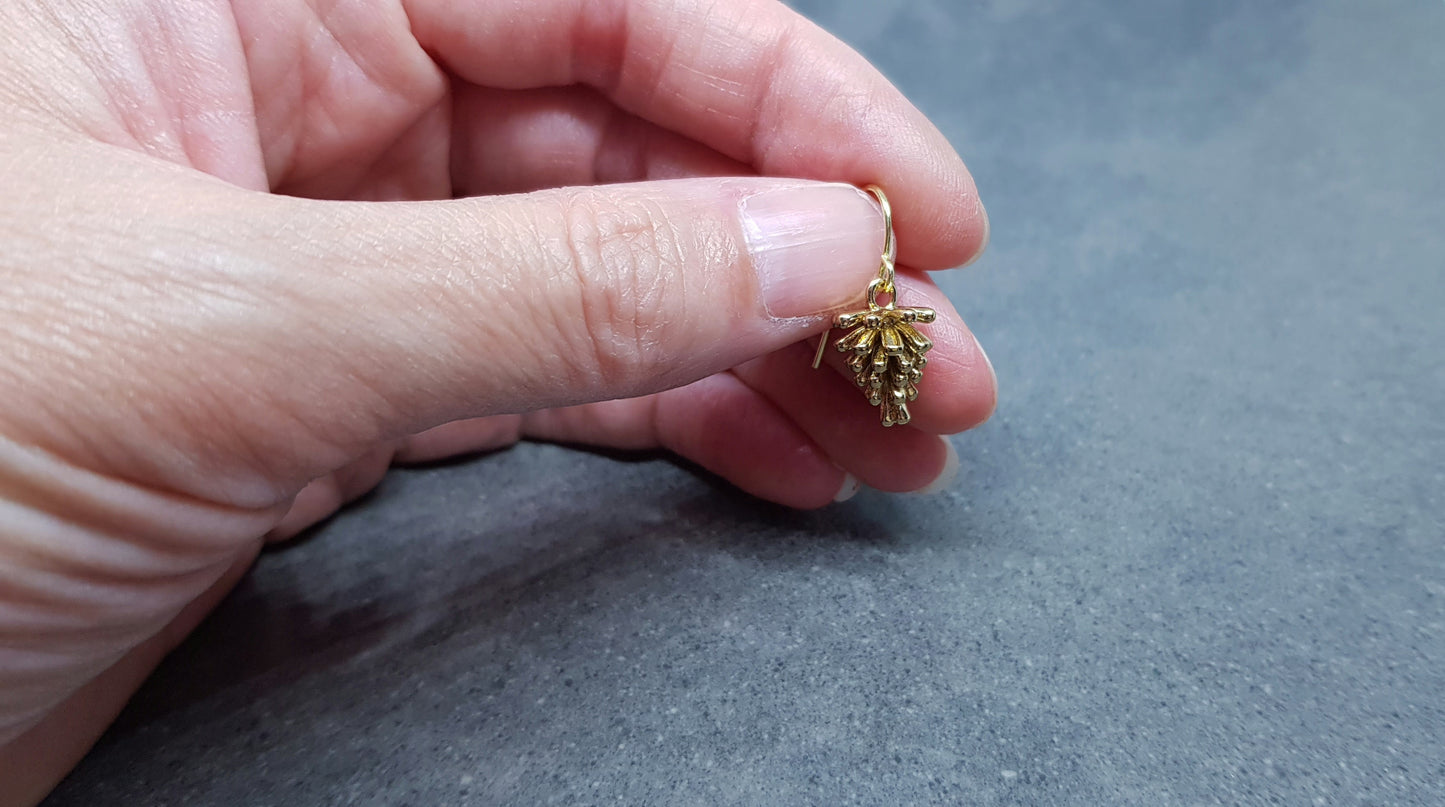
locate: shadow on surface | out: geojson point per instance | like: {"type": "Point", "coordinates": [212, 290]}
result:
{"type": "Point", "coordinates": [268, 636]}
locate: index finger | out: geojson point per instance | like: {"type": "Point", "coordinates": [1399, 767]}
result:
{"type": "Point", "coordinates": [749, 78]}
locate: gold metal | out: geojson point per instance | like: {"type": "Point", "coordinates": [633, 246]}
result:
{"type": "Point", "coordinates": [885, 350]}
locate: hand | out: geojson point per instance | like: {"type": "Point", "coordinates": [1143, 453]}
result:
{"type": "Point", "coordinates": [203, 345]}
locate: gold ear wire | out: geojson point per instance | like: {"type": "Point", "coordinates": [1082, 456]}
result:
{"type": "Point", "coordinates": [822, 343]}
{"type": "Point", "coordinates": [887, 351]}
{"type": "Point", "coordinates": [890, 243]}
{"type": "Point", "coordinates": [884, 281]}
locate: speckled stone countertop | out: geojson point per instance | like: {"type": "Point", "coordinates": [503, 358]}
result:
{"type": "Point", "coordinates": [1197, 557]}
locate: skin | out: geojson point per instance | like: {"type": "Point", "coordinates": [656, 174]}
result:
{"type": "Point", "coordinates": [241, 280]}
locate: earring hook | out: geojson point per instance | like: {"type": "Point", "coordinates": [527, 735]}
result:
{"type": "Point", "coordinates": [890, 243]}
{"type": "Point", "coordinates": [884, 283]}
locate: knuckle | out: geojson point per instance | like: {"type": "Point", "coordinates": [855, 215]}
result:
{"type": "Point", "coordinates": [628, 292]}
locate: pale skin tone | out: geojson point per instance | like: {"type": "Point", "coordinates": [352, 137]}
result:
{"type": "Point", "coordinates": [253, 253]}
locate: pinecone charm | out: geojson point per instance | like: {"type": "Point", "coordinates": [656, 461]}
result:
{"type": "Point", "coordinates": [886, 355]}
{"type": "Point", "coordinates": [885, 350]}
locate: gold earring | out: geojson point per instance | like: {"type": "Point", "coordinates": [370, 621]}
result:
{"type": "Point", "coordinates": [885, 350]}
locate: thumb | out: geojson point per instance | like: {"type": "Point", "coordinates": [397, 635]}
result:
{"type": "Point", "coordinates": [422, 313]}
{"type": "Point", "coordinates": [301, 333]}
{"type": "Point", "coordinates": [508, 304]}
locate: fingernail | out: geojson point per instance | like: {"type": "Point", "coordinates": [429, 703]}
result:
{"type": "Point", "coordinates": [992, 375]}
{"type": "Point", "coordinates": [949, 473]}
{"type": "Point", "coordinates": [814, 247]}
{"type": "Point", "coordinates": [850, 488]}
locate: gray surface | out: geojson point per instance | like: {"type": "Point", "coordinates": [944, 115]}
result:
{"type": "Point", "coordinates": [1196, 558]}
